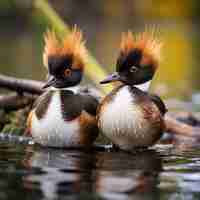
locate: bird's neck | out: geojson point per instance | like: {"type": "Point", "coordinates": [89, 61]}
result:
{"type": "Point", "coordinates": [144, 86]}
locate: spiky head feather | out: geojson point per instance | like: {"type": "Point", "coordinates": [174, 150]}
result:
{"type": "Point", "coordinates": [146, 43]}
{"type": "Point", "coordinates": [72, 46]}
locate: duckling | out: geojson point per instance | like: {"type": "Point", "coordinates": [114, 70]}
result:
{"type": "Point", "coordinates": [128, 116]}
{"type": "Point", "coordinates": [62, 117]}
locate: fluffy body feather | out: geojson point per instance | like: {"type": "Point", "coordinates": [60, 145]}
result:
{"type": "Point", "coordinates": [54, 131]}
{"type": "Point", "coordinates": [128, 121]}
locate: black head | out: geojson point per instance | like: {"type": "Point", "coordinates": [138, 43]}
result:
{"type": "Point", "coordinates": [137, 60]}
{"type": "Point", "coordinates": [131, 70]}
{"type": "Point", "coordinates": [62, 73]}
{"type": "Point", "coordinates": [64, 58]}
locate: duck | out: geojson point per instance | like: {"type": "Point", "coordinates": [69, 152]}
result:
{"type": "Point", "coordinates": [128, 116]}
{"type": "Point", "coordinates": [62, 116]}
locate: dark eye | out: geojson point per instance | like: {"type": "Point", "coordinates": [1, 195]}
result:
{"type": "Point", "coordinates": [133, 69]}
{"type": "Point", "coordinates": [67, 72]}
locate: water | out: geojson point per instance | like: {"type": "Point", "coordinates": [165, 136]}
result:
{"type": "Point", "coordinates": [30, 172]}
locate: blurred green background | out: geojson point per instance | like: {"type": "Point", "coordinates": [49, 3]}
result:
{"type": "Point", "coordinates": [103, 21]}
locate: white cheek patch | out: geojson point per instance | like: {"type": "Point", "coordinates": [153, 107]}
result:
{"type": "Point", "coordinates": [52, 130]}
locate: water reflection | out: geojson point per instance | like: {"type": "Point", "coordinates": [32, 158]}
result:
{"type": "Point", "coordinates": [110, 175]}
{"type": "Point", "coordinates": [128, 176]}
{"type": "Point", "coordinates": [162, 173]}
{"type": "Point", "coordinates": [65, 173]}
{"type": "Point", "coordinates": [181, 174]}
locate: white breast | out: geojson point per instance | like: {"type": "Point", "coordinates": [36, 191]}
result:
{"type": "Point", "coordinates": [52, 130]}
{"type": "Point", "coordinates": [121, 113]}
{"type": "Point", "coordinates": [121, 119]}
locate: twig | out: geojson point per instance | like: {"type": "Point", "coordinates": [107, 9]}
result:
{"type": "Point", "coordinates": [15, 102]}
{"type": "Point", "coordinates": [190, 118]}
{"type": "Point", "coordinates": [176, 127]}
{"type": "Point", "coordinates": [21, 85]}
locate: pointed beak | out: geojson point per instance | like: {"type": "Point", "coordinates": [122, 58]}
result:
{"type": "Point", "coordinates": [111, 78]}
{"type": "Point", "coordinates": [51, 81]}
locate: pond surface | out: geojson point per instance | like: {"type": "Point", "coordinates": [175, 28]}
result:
{"type": "Point", "coordinates": [29, 172]}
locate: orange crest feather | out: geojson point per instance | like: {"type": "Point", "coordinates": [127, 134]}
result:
{"type": "Point", "coordinates": [146, 42]}
{"type": "Point", "coordinates": [71, 45]}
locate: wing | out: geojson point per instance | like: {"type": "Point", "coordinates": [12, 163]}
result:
{"type": "Point", "coordinates": [42, 103]}
{"type": "Point", "coordinates": [159, 103]}
{"type": "Point", "coordinates": [73, 104]}
{"type": "Point", "coordinates": [90, 103]}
